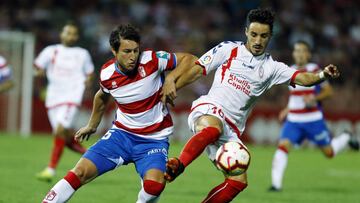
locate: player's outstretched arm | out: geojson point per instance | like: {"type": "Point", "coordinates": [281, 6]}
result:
{"type": "Point", "coordinates": [185, 73]}
{"type": "Point", "coordinates": [310, 79]}
{"type": "Point", "coordinates": [99, 106]}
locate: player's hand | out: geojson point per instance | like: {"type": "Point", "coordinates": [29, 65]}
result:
{"type": "Point", "coordinates": [331, 71]}
{"type": "Point", "coordinates": [84, 133]}
{"type": "Point", "coordinates": [168, 92]}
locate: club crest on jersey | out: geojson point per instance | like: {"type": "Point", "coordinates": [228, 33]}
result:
{"type": "Point", "coordinates": [51, 195]}
{"type": "Point", "coordinates": [113, 84]}
{"type": "Point", "coordinates": [142, 71]}
{"type": "Point", "coordinates": [207, 59]}
{"type": "Point", "coordinates": [261, 72]}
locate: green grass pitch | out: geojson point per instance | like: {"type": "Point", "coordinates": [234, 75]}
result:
{"type": "Point", "coordinates": [310, 177]}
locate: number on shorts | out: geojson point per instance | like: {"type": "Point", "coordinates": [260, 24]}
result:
{"type": "Point", "coordinates": [107, 135]}
{"type": "Point", "coordinates": [218, 111]}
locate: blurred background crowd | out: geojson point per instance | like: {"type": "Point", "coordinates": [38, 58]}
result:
{"type": "Point", "coordinates": [332, 27]}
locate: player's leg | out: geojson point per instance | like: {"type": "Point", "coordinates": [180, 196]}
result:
{"type": "Point", "coordinates": [84, 171]}
{"type": "Point", "coordinates": [208, 129]}
{"type": "Point", "coordinates": [232, 185]}
{"type": "Point", "coordinates": [321, 136]}
{"type": "Point", "coordinates": [150, 161]}
{"type": "Point", "coordinates": [54, 115]}
{"type": "Point", "coordinates": [227, 190]}
{"type": "Point", "coordinates": [66, 120]}
{"type": "Point", "coordinates": [290, 134]}
{"type": "Point", "coordinates": [152, 186]}
{"type": "Point", "coordinates": [102, 157]}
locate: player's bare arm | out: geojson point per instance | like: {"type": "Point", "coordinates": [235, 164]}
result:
{"type": "Point", "coordinates": [185, 65]}
{"type": "Point", "coordinates": [309, 79]}
{"type": "Point", "coordinates": [283, 113]}
{"type": "Point", "coordinates": [100, 100]}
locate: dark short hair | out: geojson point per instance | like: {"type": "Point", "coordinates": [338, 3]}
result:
{"type": "Point", "coordinates": [263, 16]}
{"type": "Point", "coordinates": [308, 46]}
{"type": "Point", "coordinates": [128, 32]}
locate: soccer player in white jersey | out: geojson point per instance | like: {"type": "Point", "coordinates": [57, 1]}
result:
{"type": "Point", "coordinates": [243, 72]}
{"type": "Point", "coordinates": [305, 120]}
{"type": "Point", "coordinates": [142, 125]}
{"type": "Point", "coordinates": [6, 81]}
{"type": "Point", "coordinates": [69, 69]}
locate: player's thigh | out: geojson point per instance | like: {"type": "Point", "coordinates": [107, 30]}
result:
{"type": "Point", "coordinates": [206, 115]}
{"type": "Point", "coordinates": [291, 132]}
{"type": "Point", "coordinates": [318, 133]}
{"type": "Point", "coordinates": [150, 159]}
{"type": "Point", "coordinates": [110, 152]}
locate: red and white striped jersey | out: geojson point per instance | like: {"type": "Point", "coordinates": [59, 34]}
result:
{"type": "Point", "coordinates": [5, 71]}
{"type": "Point", "coordinates": [240, 78]}
{"type": "Point", "coordinates": [298, 112]}
{"type": "Point", "coordinates": [140, 110]}
{"type": "Point", "coordinates": [66, 69]}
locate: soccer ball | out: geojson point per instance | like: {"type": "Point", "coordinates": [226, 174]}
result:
{"type": "Point", "coordinates": [232, 158]}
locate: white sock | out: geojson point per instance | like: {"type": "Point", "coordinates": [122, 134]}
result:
{"type": "Point", "coordinates": [61, 192]}
{"type": "Point", "coordinates": [340, 142]}
{"type": "Point", "coordinates": [278, 168]}
{"type": "Point", "coordinates": [144, 197]}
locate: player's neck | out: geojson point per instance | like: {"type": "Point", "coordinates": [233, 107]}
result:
{"type": "Point", "coordinates": [301, 65]}
{"type": "Point", "coordinates": [123, 70]}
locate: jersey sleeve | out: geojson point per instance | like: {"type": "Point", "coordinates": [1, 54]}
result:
{"type": "Point", "coordinates": [88, 65]}
{"type": "Point", "coordinates": [44, 58]}
{"type": "Point", "coordinates": [283, 74]}
{"type": "Point", "coordinates": [166, 61]}
{"type": "Point", "coordinates": [216, 56]}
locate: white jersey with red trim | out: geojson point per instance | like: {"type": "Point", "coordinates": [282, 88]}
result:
{"type": "Point", "coordinates": [66, 69]}
{"type": "Point", "coordinates": [240, 78]}
{"type": "Point", "coordinates": [140, 110]}
{"type": "Point", "coordinates": [298, 111]}
{"type": "Point", "coordinates": [5, 71]}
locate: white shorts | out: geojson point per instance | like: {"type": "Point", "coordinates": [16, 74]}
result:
{"type": "Point", "coordinates": [63, 114]}
{"type": "Point", "coordinates": [201, 107]}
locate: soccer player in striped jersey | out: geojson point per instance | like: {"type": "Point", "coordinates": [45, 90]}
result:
{"type": "Point", "coordinates": [243, 73]}
{"type": "Point", "coordinates": [305, 120]}
{"type": "Point", "coordinates": [6, 81]}
{"type": "Point", "coordinates": [139, 134]}
{"type": "Point", "coordinates": [68, 69]}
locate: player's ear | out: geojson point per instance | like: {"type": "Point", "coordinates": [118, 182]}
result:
{"type": "Point", "coordinates": [246, 31]}
{"type": "Point", "coordinates": [113, 51]}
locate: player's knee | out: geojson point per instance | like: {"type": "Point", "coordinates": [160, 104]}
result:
{"type": "Point", "coordinates": [84, 173]}
{"type": "Point", "coordinates": [329, 154]}
{"type": "Point", "coordinates": [284, 146]}
{"type": "Point", "coordinates": [208, 122]}
{"type": "Point", "coordinates": [60, 131]}
{"type": "Point", "coordinates": [153, 188]}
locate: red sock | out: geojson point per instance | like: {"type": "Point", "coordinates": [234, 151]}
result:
{"type": "Point", "coordinates": [225, 192]}
{"type": "Point", "coordinates": [196, 145]}
{"type": "Point", "coordinates": [153, 187]}
{"type": "Point", "coordinates": [75, 146]}
{"type": "Point", "coordinates": [73, 180]}
{"type": "Point", "coordinates": [57, 151]}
